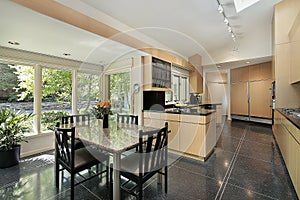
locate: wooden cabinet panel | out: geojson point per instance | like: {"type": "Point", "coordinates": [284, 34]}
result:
{"type": "Point", "coordinates": [297, 186]}
{"type": "Point", "coordinates": [284, 132]}
{"type": "Point", "coordinates": [192, 138]}
{"type": "Point", "coordinates": [239, 74]}
{"type": "Point", "coordinates": [173, 137]}
{"type": "Point", "coordinates": [239, 99]}
{"type": "Point", "coordinates": [260, 71]}
{"type": "Point", "coordinates": [292, 158]}
{"type": "Point", "coordinates": [196, 82]}
{"type": "Point", "coordinates": [156, 73]}
{"type": "Point", "coordinates": [295, 62]}
{"type": "Point", "coordinates": [260, 98]}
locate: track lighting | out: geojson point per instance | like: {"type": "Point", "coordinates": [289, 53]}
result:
{"type": "Point", "coordinates": [229, 29]}
{"type": "Point", "coordinates": [226, 21]}
{"type": "Point", "coordinates": [220, 8]}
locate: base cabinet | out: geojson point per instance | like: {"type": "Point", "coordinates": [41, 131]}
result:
{"type": "Point", "coordinates": [287, 138]}
{"type": "Point", "coordinates": [173, 139]}
{"type": "Point", "coordinates": [190, 134]}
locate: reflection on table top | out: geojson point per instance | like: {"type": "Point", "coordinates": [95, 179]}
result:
{"type": "Point", "coordinates": [119, 137]}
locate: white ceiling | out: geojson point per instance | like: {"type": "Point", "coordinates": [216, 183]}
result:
{"type": "Point", "coordinates": [186, 27]}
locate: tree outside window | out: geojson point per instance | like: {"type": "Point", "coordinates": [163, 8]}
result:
{"type": "Point", "coordinates": [119, 92]}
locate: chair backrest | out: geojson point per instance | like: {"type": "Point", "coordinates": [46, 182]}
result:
{"type": "Point", "coordinates": [64, 146]}
{"type": "Point", "coordinates": [76, 118]}
{"type": "Point", "coordinates": [153, 148]}
{"type": "Point", "coordinates": [128, 119]}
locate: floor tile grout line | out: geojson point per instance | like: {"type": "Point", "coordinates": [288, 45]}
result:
{"type": "Point", "coordinates": [222, 187]}
{"type": "Point", "coordinates": [91, 192]}
{"type": "Point", "coordinates": [253, 191]}
{"type": "Point", "coordinates": [235, 159]}
{"type": "Point", "coordinates": [200, 174]}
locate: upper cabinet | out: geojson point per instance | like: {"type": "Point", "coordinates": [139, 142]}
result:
{"type": "Point", "coordinates": [196, 82]}
{"type": "Point", "coordinates": [157, 74]}
{"type": "Point", "coordinates": [196, 79]}
{"type": "Point", "coordinates": [294, 36]}
{"type": "Point", "coordinates": [260, 71]}
{"type": "Point", "coordinates": [256, 72]}
{"type": "Point", "coordinates": [240, 74]}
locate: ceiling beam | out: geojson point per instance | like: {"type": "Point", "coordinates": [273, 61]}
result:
{"type": "Point", "coordinates": [65, 14]}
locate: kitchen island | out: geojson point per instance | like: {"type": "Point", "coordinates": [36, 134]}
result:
{"type": "Point", "coordinates": [193, 130]}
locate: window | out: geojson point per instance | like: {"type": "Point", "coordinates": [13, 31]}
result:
{"type": "Point", "coordinates": [16, 88]}
{"type": "Point", "coordinates": [179, 88]}
{"type": "Point", "coordinates": [87, 91]}
{"type": "Point", "coordinates": [176, 88]}
{"type": "Point", "coordinates": [183, 89]}
{"type": "Point", "coordinates": [119, 92]}
{"type": "Point", "coordinates": [56, 96]}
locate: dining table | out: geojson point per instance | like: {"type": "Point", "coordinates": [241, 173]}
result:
{"type": "Point", "coordinates": [116, 139]}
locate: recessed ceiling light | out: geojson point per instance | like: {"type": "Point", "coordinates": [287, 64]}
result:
{"type": "Point", "coordinates": [66, 54]}
{"type": "Point", "coordinates": [248, 62]}
{"type": "Point", "coordinates": [13, 43]}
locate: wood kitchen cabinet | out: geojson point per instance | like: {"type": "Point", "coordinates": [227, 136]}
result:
{"type": "Point", "coordinates": [240, 74]}
{"type": "Point", "coordinates": [192, 135]}
{"type": "Point", "coordinates": [287, 137]}
{"type": "Point", "coordinates": [295, 61]}
{"type": "Point", "coordinates": [251, 92]}
{"type": "Point", "coordinates": [157, 74]}
{"type": "Point", "coordinates": [260, 99]}
{"type": "Point", "coordinates": [260, 71]}
{"type": "Point", "coordinates": [239, 98]}
{"type": "Point", "coordinates": [196, 82]}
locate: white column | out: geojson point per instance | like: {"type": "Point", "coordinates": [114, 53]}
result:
{"type": "Point", "coordinates": [74, 91]}
{"type": "Point", "coordinates": [37, 102]}
{"type": "Point", "coordinates": [228, 96]}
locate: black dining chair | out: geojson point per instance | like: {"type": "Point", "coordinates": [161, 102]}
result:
{"type": "Point", "coordinates": [78, 118]}
{"type": "Point", "coordinates": [127, 118]}
{"type": "Point", "coordinates": [151, 159]}
{"type": "Point", "coordinates": [76, 161]}
{"type": "Point", "coordinates": [83, 119]}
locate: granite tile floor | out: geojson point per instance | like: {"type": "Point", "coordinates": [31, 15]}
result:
{"type": "Point", "coordinates": [246, 164]}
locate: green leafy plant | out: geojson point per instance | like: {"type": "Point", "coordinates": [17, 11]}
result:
{"type": "Point", "coordinates": [50, 118]}
{"type": "Point", "coordinates": [13, 126]}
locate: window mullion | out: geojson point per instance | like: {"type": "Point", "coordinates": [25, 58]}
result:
{"type": "Point", "coordinates": [37, 102]}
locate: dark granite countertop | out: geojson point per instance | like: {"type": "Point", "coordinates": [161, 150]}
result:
{"type": "Point", "coordinates": [185, 111]}
{"type": "Point", "coordinates": [294, 121]}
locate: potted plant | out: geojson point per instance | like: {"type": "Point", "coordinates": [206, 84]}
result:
{"type": "Point", "coordinates": [13, 126]}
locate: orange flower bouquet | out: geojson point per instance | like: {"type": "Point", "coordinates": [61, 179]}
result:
{"type": "Point", "coordinates": [101, 109]}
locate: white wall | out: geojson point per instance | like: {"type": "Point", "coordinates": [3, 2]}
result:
{"type": "Point", "coordinates": [217, 88]}
{"type": "Point", "coordinates": [37, 144]}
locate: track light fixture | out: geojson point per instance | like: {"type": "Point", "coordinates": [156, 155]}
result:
{"type": "Point", "coordinates": [220, 8]}
{"type": "Point", "coordinates": [226, 21]}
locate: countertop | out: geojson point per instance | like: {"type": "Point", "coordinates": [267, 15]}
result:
{"type": "Point", "coordinates": [185, 111]}
{"type": "Point", "coordinates": [294, 121]}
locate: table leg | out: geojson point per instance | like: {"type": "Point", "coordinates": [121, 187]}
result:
{"type": "Point", "coordinates": [116, 180]}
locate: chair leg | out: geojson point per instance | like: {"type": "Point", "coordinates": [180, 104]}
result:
{"type": "Point", "coordinates": [107, 173]}
{"type": "Point", "coordinates": [140, 190]}
{"type": "Point", "coordinates": [72, 185]}
{"type": "Point", "coordinates": [111, 182]}
{"type": "Point", "coordinates": [57, 175]}
{"type": "Point", "coordinates": [166, 179]}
